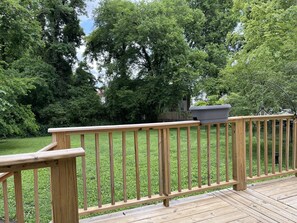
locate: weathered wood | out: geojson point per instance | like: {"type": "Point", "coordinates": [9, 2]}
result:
{"type": "Point", "coordinates": [218, 153]}
{"type": "Point", "coordinates": [239, 156]}
{"type": "Point", "coordinates": [258, 148]}
{"type": "Point", "coordinates": [287, 143]}
{"type": "Point", "coordinates": [19, 197]}
{"type": "Point", "coordinates": [227, 151]}
{"type": "Point", "coordinates": [5, 201]}
{"type": "Point", "coordinates": [265, 149]}
{"type": "Point", "coordinates": [251, 148]}
{"type": "Point", "coordinates": [137, 171]}
{"type": "Point", "coordinates": [273, 146]}
{"type": "Point", "coordinates": [111, 168]}
{"type": "Point", "coordinates": [294, 158]}
{"type": "Point", "coordinates": [199, 156]}
{"type": "Point", "coordinates": [148, 160]}
{"type": "Point", "coordinates": [178, 160]}
{"type": "Point", "coordinates": [160, 165]}
{"type": "Point", "coordinates": [189, 158]}
{"type": "Point", "coordinates": [208, 155]}
{"type": "Point", "coordinates": [165, 166]}
{"type": "Point", "coordinates": [124, 165]}
{"type": "Point", "coordinates": [84, 172]}
{"type": "Point", "coordinates": [98, 172]}
{"type": "Point", "coordinates": [280, 147]}
{"type": "Point", "coordinates": [36, 196]}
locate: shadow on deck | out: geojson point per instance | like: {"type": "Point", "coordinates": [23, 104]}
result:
{"type": "Point", "coordinates": [271, 201]}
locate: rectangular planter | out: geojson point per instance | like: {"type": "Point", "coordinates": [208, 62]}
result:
{"type": "Point", "coordinates": [211, 113]}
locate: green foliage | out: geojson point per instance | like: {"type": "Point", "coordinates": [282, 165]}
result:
{"type": "Point", "coordinates": [16, 118]}
{"type": "Point", "coordinates": [142, 47]}
{"type": "Point", "coordinates": [262, 74]}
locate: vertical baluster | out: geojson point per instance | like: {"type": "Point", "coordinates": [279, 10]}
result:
{"type": "Point", "coordinates": [5, 200]}
{"type": "Point", "coordinates": [199, 155]}
{"type": "Point", "coordinates": [258, 148]}
{"type": "Point", "coordinates": [294, 144]}
{"type": "Point", "coordinates": [251, 148]}
{"type": "Point", "coordinates": [160, 162]}
{"type": "Point", "coordinates": [280, 147]}
{"type": "Point", "coordinates": [178, 160]}
{"type": "Point", "coordinates": [84, 174]}
{"type": "Point", "coordinates": [273, 146]}
{"type": "Point", "coordinates": [36, 196]}
{"type": "Point", "coordinates": [208, 156]}
{"type": "Point", "coordinates": [148, 158]}
{"type": "Point", "coordinates": [111, 161]}
{"type": "Point", "coordinates": [97, 151]}
{"type": "Point", "coordinates": [265, 148]}
{"type": "Point", "coordinates": [124, 165]}
{"type": "Point", "coordinates": [137, 165]}
{"type": "Point", "coordinates": [287, 143]}
{"type": "Point", "coordinates": [218, 152]}
{"type": "Point", "coordinates": [189, 159]}
{"type": "Point", "coordinates": [227, 151]}
{"type": "Point", "coordinates": [165, 163]}
{"type": "Point", "coordinates": [168, 153]}
{"type": "Point", "coordinates": [19, 197]}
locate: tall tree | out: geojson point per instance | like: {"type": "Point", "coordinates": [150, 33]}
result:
{"type": "Point", "coordinates": [142, 48]}
{"type": "Point", "coordinates": [62, 34]}
{"type": "Point", "coordinates": [262, 75]}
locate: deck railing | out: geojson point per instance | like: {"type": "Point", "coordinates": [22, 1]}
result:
{"type": "Point", "coordinates": [128, 165]}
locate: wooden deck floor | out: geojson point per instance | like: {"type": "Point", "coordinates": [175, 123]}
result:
{"type": "Point", "coordinates": [272, 201]}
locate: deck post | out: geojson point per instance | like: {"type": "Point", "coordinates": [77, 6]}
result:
{"type": "Point", "coordinates": [64, 185]}
{"type": "Point", "coordinates": [239, 154]}
{"type": "Point", "coordinates": [165, 165]}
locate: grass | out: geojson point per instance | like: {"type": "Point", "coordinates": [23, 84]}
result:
{"type": "Point", "coordinates": [13, 146]}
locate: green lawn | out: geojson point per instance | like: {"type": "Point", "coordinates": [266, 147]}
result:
{"type": "Point", "coordinates": [13, 146]}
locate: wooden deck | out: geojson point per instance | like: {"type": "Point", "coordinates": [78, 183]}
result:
{"type": "Point", "coordinates": [271, 201]}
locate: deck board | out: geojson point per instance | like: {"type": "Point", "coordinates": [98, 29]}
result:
{"type": "Point", "coordinates": [270, 201]}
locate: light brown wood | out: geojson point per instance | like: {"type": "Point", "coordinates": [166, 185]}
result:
{"type": "Point", "coordinates": [287, 143]}
{"type": "Point", "coordinates": [259, 117]}
{"type": "Point", "coordinates": [189, 158]}
{"type": "Point", "coordinates": [218, 153]}
{"type": "Point", "coordinates": [137, 164]}
{"type": "Point", "coordinates": [168, 154]}
{"type": "Point", "coordinates": [294, 155]}
{"type": "Point", "coordinates": [124, 165]}
{"type": "Point", "coordinates": [251, 148]}
{"type": "Point", "coordinates": [270, 175]}
{"type": "Point", "coordinates": [178, 160]}
{"type": "Point", "coordinates": [165, 166]}
{"type": "Point", "coordinates": [258, 148]}
{"type": "Point", "coordinates": [98, 175]}
{"type": "Point", "coordinates": [148, 160]}
{"type": "Point", "coordinates": [227, 151]}
{"type": "Point", "coordinates": [19, 197]}
{"type": "Point", "coordinates": [111, 167]}
{"type": "Point", "coordinates": [199, 156]}
{"type": "Point", "coordinates": [160, 162]}
{"type": "Point", "coordinates": [36, 196]}
{"type": "Point", "coordinates": [280, 147]}
{"type": "Point", "coordinates": [208, 155]}
{"type": "Point", "coordinates": [273, 146]}
{"type": "Point", "coordinates": [5, 201]}
{"type": "Point", "coordinates": [239, 156]}
{"type": "Point", "coordinates": [129, 127]}
{"type": "Point", "coordinates": [84, 172]}
{"type": "Point", "coordinates": [64, 191]}
{"type": "Point", "coordinates": [265, 149]}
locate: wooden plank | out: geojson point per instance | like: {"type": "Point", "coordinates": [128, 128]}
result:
{"type": "Point", "coordinates": [19, 197]}
{"type": "Point", "coordinates": [273, 146]}
{"type": "Point", "coordinates": [168, 153]}
{"type": "Point", "coordinates": [265, 149]}
{"type": "Point", "coordinates": [178, 160]}
{"type": "Point", "coordinates": [124, 165]}
{"type": "Point", "coordinates": [5, 201]}
{"type": "Point", "coordinates": [84, 173]}
{"type": "Point", "coordinates": [148, 160]}
{"type": "Point", "coordinates": [227, 151]}
{"type": "Point", "coordinates": [165, 166]}
{"type": "Point", "coordinates": [218, 153]}
{"type": "Point", "coordinates": [258, 148]}
{"type": "Point", "coordinates": [287, 143]}
{"type": "Point", "coordinates": [270, 175]}
{"type": "Point", "coordinates": [280, 147]}
{"type": "Point", "coordinates": [111, 167]}
{"type": "Point", "coordinates": [208, 155]}
{"type": "Point", "coordinates": [244, 206]}
{"type": "Point", "coordinates": [30, 158]}
{"type": "Point", "coordinates": [266, 185]}
{"type": "Point", "coordinates": [98, 175]}
{"type": "Point", "coordinates": [137, 171]}
{"type": "Point", "coordinates": [248, 219]}
{"type": "Point", "coordinates": [226, 215]}
{"type": "Point", "coordinates": [273, 190]}
{"type": "Point", "coordinates": [251, 148]}
{"type": "Point", "coordinates": [160, 162]}
{"type": "Point", "coordinates": [198, 157]}
{"type": "Point", "coordinates": [36, 196]}
{"type": "Point", "coordinates": [284, 195]}
{"type": "Point", "coordinates": [189, 158]}
{"type": "Point", "coordinates": [294, 144]}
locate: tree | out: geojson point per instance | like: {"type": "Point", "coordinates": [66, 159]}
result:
{"type": "Point", "coordinates": [143, 49]}
{"type": "Point", "coordinates": [262, 74]}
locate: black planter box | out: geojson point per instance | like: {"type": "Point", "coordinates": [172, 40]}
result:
{"type": "Point", "coordinates": [211, 113]}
